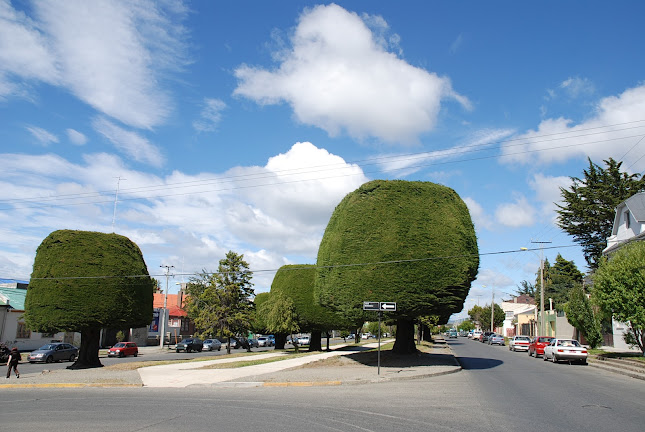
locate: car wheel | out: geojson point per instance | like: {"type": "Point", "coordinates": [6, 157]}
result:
{"type": "Point", "coordinates": [177, 351]}
{"type": "Point", "coordinates": [554, 359]}
{"type": "Point", "coordinates": [200, 349]}
{"type": "Point", "coordinates": [72, 357]}
{"type": "Point", "coordinates": [219, 349]}
{"type": "Point", "coordinates": [49, 359]}
{"type": "Point", "coordinates": [530, 355]}
{"type": "Point", "coordinates": [135, 354]}
{"type": "Point", "coordinates": [544, 357]}
{"type": "Point", "coordinates": [121, 355]}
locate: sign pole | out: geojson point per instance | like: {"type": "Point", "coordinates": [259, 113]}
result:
{"type": "Point", "coordinates": [379, 342]}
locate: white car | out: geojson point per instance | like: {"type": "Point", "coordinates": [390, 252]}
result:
{"type": "Point", "coordinates": [265, 341]}
{"type": "Point", "coordinates": [303, 340]}
{"type": "Point", "coordinates": [476, 335]}
{"type": "Point", "coordinates": [519, 343]}
{"type": "Point", "coordinates": [565, 349]}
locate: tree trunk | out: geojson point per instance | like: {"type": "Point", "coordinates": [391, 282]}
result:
{"type": "Point", "coordinates": [280, 340]}
{"type": "Point", "coordinates": [357, 335]}
{"type": "Point", "coordinates": [315, 343]}
{"type": "Point", "coordinates": [88, 353]}
{"type": "Point", "coordinates": [404, 343]}
{"type": "Point", "coordinates": [328, 336]}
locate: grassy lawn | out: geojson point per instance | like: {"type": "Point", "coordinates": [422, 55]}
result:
{"type": "Point", "coordinates": [617, 355]}
{"type": "Point", "coordinates": [140, 364]}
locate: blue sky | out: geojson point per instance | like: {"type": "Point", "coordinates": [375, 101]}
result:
{"type": "Point", "coordinates": [240, 125]}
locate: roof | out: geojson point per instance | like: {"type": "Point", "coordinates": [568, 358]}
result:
{"type": "Point", "coordinates": [171, 304]}
{"type": "Point", "coordinates": [15, 297]}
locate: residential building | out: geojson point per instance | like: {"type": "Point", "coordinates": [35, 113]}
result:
{"type": "Point", "coordinates": [178, 325]}
{"type": "Point", "coordinates": [518, 305]}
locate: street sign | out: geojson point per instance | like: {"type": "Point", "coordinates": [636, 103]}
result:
{"type": "Point", "coordinates": [373, 306]}
{"type": "Point", "coordinates": [388, 306]}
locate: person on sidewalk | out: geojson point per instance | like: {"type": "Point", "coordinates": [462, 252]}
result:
{"type": "Point", "coordinates": [13, 361]}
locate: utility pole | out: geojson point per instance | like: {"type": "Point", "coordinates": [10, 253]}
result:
{"type": "Point", "coordinates": [492, 311]}
{"type": "Point", "coordinates": [116, 198]}
{"type": "Point", "coordinates": [164, 313]}
{"type": "Point", "coordinates": [541, 285]}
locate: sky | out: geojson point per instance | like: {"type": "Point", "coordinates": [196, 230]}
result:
{"type": "Point", "coordinates": [202, 127]}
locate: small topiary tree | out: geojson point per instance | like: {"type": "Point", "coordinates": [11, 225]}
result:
{"type": "Point", "coordinates": [85, 281]}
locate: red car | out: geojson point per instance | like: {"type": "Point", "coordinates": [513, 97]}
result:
{"type": "Point", "coordinates": [536, 347]}
{"type": "Point", "coordinates": [123, 349]}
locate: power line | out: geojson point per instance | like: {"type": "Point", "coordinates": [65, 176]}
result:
{"type": "Point", "coordinates": [365, 162]}
{"type": "Point", "coordinates": [313, 266]}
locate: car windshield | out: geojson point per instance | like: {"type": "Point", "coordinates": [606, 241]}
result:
{"type": "Point", "coordinates": [186, 341]}
{"type": "Point", "coordinates": [119, 345]}
{"type": "Point", "coordinates": [48, 347]}
{"type": "Point", "coordinates": [569, 343]}
{"type": "Point", "coordinates": [545, 339]}
{"type": "Point", "coordinates": [520, 338]}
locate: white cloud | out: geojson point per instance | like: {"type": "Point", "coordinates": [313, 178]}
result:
{"type": "Point", "coordinates": [210, 116]}
{"type": "Point", "coordinates": [116, 66]}
{"type": "Point", "coordinates": [616, 126]}
{"type": "Point", "coordinates": [130, 143]}
{"type": "Point", "coordinates": [274, 214]}
{"type": "Point", "coordinates": [576, 87]}
{"type": "Point", "coordinates": [517, 214]}
{"type": "Point", "coordinates": [477, 213]}
{"type": "Point", "coordinates": [547, 191]}
{"type": "Point", "coordinates": [44, 137]}
{"type": "Point", "coordinates": [407, 164]}
{"type": "Point", "coordinates": [338, 76]}
{"type": "Point", "coordinates": [76, 137]}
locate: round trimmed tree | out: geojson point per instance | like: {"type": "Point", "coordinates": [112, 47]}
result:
{"type": "Point", "coordinates": [412, 243]}
{"type": "Point", "coordinates": [84, 281]}
{"type": "Point", "coordinates": [297, 283]}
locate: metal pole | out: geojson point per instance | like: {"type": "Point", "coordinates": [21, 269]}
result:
{"type": "Point", "coordinates": [541, 294]}
{"type": "Point", "coordinates": [379, 343]}
{"type": "Point", "coordinates": [492, 311]}
{"type": "Point", "coordinates": [162, 335]}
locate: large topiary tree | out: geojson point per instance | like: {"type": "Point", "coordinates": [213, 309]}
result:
{"type": "Point", "coordinates": [297, 283]}
{"type": "Point", "coordinates": [85, 281]}
{"type": "Point", "coordinates": [408, 242]}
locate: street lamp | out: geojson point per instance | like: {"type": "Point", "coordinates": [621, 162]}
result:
{"type": "Point", "coordinates": [165, 305]}
{"type": "Point", "coordinates": [541, 288]}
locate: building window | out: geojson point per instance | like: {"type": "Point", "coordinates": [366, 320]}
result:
{"type": "Point", "coordinates": [626, 214]}
{"type": "Point", "coordinates": [23, 332]}
{"type": "Point", "coordinates": [185, 326]}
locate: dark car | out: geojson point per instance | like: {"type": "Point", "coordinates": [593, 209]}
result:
{"type": "Point", "coordinates": [190, 344]}
{"type": "Point", "coordinates": [485, 335]}
{"type": "Point", "coordinates": [52, 352]}
{"type": "Point", "coordinates": [123, 349]}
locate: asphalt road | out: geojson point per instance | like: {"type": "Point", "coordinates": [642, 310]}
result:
{"type": "Point", "coordinates": [497, 391]}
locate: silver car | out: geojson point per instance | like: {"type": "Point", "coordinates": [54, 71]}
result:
{"type": "Point", "coordinates": [52, 352]}
{"type": "Point", "coordinates": [264, 341]}
{"type": "Point", "coordinates": [496, 339]}
{"type": "Point", "coordinates": [212, 344]}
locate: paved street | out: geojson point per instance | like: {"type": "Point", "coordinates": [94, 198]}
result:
{"type": "Point", "coordinates": [497, 391]}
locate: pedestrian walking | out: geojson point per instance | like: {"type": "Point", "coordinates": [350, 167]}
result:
{"type": "Point", "coordinates": [14, 358]}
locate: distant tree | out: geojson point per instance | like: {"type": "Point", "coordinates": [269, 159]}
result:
{"type": "Point", "coordinates": [498, 317]}
{"type": "Point", "coordinates": [589, 205]}
{"type": "Point", "coordinates": [84, 281]}
{"type": "Point", "coordinates": [526, 287]}
{"type": "Point", "coordinates": [475, 313]}
{"type": "Point", "coordinates": [581, 315]}
{"type": "Point", "coordinates": [297, 283]}
{"type": "Point", "coordinates": [466, 326]}
{"type": "Point", "coordinates": [619, 290]}
{"type": "Point", "coordinates": [559, 279]}
{"type": "Point", "coordinates": [156, 287]}
{"type": "Point", "coordinates": [412, 243]}
{"type": "Point", "coordinates": [221, 303]}
{"type": "Point", "coordinates": [279, 314]}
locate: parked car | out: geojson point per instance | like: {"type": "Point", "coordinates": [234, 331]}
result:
{"type": "Point", "coordinates": [123, 349]}
{"type": "Point", "coordinates": [452, 333]}
{"type": "Point", "coordinates": [496, 339]}
{"type": "Point", "coordinates": [536, 347]}
{"type": "Point", "coordinates": [476, 335]}
{"type": "Point", "coordinates": [52, 352]}
{"type": "Point", "coordinates": [485, 335]}
{"type": "Point", "coordinates": [212, 344]}
{"type": "Point", "coordinates": [264, 341]}
{"type": "Point", "coordinates": [304, 340]}
{"type": "Point", "coordinates": [190, 344]}
{"type": "Point", "coordinates": [253, 343]}
{"type": "Point", "coordinates": [565, 349]}
{"type": "Point", "coordinates": [519, 343]}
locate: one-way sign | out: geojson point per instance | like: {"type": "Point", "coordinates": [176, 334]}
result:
{"type": "Point", "coordinates": [374, 306]}
{"type": "Point", "coordinates": [388, 306]}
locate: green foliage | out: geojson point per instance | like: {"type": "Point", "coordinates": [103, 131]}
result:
{"type": "Point", "coordinates": [408, 242]}
{"type": "Point", "coordinates": [581, 315]}
{"type": "Point", "coordinates": [466, 326]}
{"type": "Point", "coordinates": [475, 313]}
{"type": "Point", "coordinates": [526, 287]}
{"type": "Point", "coordinates": [120, 336]}
{"type": "Point", "coordinates": [619, 289]}
{"type": "Point", "coordinates": [220, 303]}
{"type": "Point", "coordinates": [589, 205]}
{"type": "Point", "coordinates": [498, 317]}
{"type": "Point", "coordinates": [279, 314]}
{"type": "Point", "coordinates": [84, 280]}
{"type": "Point", "coordinates": [258, 323]}
{"type": "Point", "coordinates": [297, 283]}
{"type": "Point", "coordinates": [559, 279]}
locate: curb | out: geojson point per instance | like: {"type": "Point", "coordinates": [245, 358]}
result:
{"type": "Point", "coordinates": [67, 385]}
